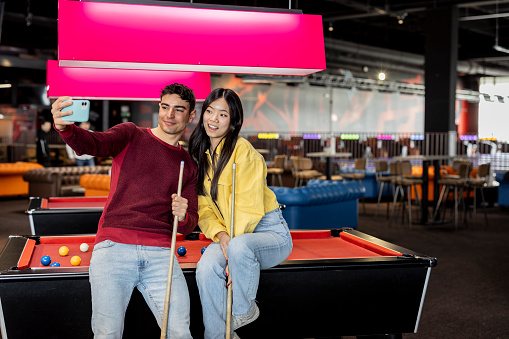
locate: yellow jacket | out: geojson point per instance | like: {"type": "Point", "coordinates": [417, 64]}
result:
{"type": "Point", "coordinates": [252, 196]}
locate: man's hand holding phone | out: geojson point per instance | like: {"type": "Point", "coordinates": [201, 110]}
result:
{"type": "Point", "coordinates": [66, 111]}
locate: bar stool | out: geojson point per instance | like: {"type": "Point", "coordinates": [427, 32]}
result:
{"type": "Point", "coordinates": [456, 182]}
{"type": "Point", "coordinates": [360, 167]}
{"type": "Point", "coordinates": [381, 166]}
{"type": "Point", "coordinates": [405, 179]}
{"type": "Point", "coordinates": [483, 172]}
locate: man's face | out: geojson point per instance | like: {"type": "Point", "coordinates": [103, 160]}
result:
{"type": "Point", "coordinates": [174, 114]}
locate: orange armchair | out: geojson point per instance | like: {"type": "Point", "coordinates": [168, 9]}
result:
{"type": "Point", "coordinates": [11, 177]}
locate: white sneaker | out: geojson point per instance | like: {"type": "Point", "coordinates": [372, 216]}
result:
{"type": "Point", "coordinates": [238, 322]}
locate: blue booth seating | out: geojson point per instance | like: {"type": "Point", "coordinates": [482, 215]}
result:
{"type": "Point", "coordinates": [369, 182]}
{"type": "Point", "coordinates": [503, 188]}
{"type": "Point", "coordinates": [321, 204]}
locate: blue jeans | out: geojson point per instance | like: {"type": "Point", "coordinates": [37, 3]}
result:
{"type": "Point", "coordinates": [269, 245]}
{"type": "Point", "coordinates": [116, 269]}
{"type": "Point", "coordinates": [89, 162]}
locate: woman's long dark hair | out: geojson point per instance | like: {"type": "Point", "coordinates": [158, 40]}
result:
{"type": "Point", "coordinates": [199, 141]}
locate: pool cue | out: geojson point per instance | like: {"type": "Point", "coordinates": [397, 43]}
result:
{"type": "Point", "coordinates": [229, 298]}
{"type": "Point", "coordinates": [164, 325]}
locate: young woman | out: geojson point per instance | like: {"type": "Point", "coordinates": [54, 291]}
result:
{"type": "Point", "coordinates": [261, 236]}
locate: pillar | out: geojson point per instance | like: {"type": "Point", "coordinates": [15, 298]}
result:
{"type": "Point", "coordinates": [441, 54]}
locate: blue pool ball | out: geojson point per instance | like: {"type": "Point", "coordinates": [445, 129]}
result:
{"type": "Point", "coordinates": [181, 251]}
{"type": "Point", "coordinates": [55, 264]}
{"type": "Point", "coordinates": [45, 260]}
{"type": "Point", "coordinates": [203, 249]}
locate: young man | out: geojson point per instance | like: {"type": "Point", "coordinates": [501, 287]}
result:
{"type": "Point", "coordinates": [134, 233]}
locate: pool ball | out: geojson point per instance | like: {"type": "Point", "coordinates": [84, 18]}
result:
{"type": "Point", "coordinates": [203, 249]}
{"type": "Point", "coordinates": [55, 264]}
{"type": "Point", "coordinates": [181, 251]}
{"type": "Point", "coordinates": [76, 260]}
{"type": "Point", "coordinates": [84, 247]}
{"type": "Point", "coordinates": [45, 260]}
{"type": "Point", "coordinates": [63, 251]}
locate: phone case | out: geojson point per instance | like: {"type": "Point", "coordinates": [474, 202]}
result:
{"type": "Point", "coordinates": [80, 111]}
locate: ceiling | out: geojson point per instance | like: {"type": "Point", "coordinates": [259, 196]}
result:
{"type": "Point", "coordinates": [366, 35]}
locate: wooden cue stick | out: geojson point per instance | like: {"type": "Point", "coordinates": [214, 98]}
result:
{"type": "Point", "coordinates": [164, 325]}
{"type": "Point", "coordinates": [229, 298]}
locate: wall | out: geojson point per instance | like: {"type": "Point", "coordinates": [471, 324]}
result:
{"type": "Point", "coordinates": [305, 108]}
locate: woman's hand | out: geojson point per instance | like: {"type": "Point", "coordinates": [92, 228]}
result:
{"type": "Point", "coordinates": [224, 240]}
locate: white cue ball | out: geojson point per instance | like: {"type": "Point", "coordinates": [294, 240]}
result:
{"type": "Point", "coordinates": [84, 247]}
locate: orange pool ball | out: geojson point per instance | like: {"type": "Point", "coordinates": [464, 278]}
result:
{"type": "Point", "coordinates": [76, 260]}
{"type": "Point", "coordinates": [63, 251]}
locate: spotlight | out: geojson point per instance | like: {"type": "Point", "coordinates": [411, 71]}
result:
{"type": "Point", "coordinates": [381, 76]}
{"type": "Point", "coordinates": [401, 18]}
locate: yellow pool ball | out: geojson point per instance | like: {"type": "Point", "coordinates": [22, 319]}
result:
{"type": "Point", "coordinates": [76, 260]}
{"type": "Point", "coordinates": [63, 251]}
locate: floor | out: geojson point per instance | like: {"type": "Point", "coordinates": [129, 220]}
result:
{"type": "Point", "coordinates": [468, 292]}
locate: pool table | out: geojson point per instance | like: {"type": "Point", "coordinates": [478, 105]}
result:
{"type": "Point", "coordinates": [65, 215]}
{"type": "Point", "coordinates": [335, 283]}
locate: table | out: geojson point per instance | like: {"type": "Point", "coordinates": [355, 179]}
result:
{"type": "Point", "coordinates": [328, 158]}
{"type": "Point", "coordinates": [65, 215]}
{"type": "Point", "coordinates": [335, 282]}
{"type": "Point", "coordinates": [426, 160]}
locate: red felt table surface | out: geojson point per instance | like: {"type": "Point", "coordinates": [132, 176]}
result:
{"type": "Point", "coordinates": [312, 245]}
{"type": "Point", "coordinates": [32, 254]}
{"type": "Point", "coordinates": [73, 202]}
{"type": "Point", "coordinates": [321, 245]}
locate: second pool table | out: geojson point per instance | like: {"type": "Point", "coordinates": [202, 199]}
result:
{"type": "Point", "coordinates": [64, 215]}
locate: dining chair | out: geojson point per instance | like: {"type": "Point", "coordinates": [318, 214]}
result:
{"type": "Point", "coordinates": [277, 168]}
{"type": "Point", "coordinates": [334, 177]}
{"type": "Point", "coordinates": [302, 170]}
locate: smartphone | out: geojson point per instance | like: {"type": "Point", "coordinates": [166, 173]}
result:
{"type": "Point", "coordinates": [80, 111]}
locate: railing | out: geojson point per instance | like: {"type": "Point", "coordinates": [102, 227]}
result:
{"type": "Point", "coordinates": [375, 145]}
{"type": "Point", "coordinates": [370, 145]}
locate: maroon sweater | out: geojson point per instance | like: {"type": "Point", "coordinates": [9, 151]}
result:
{"type": "Point", "coordinates": [144, 175]}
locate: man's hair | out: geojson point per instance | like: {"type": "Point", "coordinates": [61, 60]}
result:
{"type": "Point", "coordinates": [183, 91]}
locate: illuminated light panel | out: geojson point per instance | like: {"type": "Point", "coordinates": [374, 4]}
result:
{"type": "Point", "coordinates": [154, 37]}
{"type": "Point", "coordinates": [417, 137]}
{"type": "Point", "coordinates": [268, 135]}
{"type": "Point", "coordinates": [468, 137]}
{"type": "Point", "coordinates": [385, 137]}
{"type": "Point", "coordinates": [311, 136]}
{"type": "Point", "coordinates": [489, 139]}
{"type": "Point", "coordinates": [119, 84]}
{"type": "Point", "coordinates": [350, 136]}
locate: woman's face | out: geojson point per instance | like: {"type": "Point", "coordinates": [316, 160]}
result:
{"type": "Point", "coordinates": [216, 120]}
